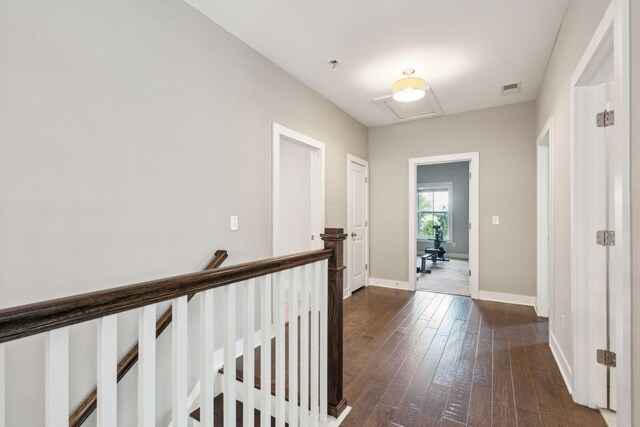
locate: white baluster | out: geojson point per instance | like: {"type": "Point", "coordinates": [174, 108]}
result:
{"type": "Point", "coordinates": [315, 339]}
{"type": "Point", "coordinates": [248, 353]}
{"type": "Point", "coordinates": [229, 386]}
{"type": "Point", "coordinates": [147, 366]}
{"type": "Point", "coordinates": [264, 283]}
{"type": "Point", "coordinates": [57, 404]}
{"type": "Point", "coordinates": [324, 346]}
{"type": "Point", "coordinates": [304, 345]}
{"type": "Point", "coordinates": [294, 280]}
{"type": "Point", "coordinates": [3, 395]}
{"type": "Point", "coordinates": [107, 371]}
{"type": "Point", "coordinates": [206, 358]}
{"type": "Point", "coordinates": [179, 319]}
{"type": "Point", "coordinates": [280, 349]}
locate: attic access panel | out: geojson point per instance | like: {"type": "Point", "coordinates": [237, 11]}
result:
{"type": "Point", "coordinates": [404, 111]}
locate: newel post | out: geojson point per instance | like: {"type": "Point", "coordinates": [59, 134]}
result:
{"type": "Point", "coordinates": [334, 239]}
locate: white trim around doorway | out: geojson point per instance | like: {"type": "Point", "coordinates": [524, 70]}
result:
{"type": "Point", "coordinates": [474, 214]}
{"type": "Point", "coordinates": [317, 185]}
{"type": "Point", "coordinates": [544, 257]}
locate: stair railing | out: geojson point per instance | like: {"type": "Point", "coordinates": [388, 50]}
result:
{"type": "Point", "coordinates": [90, 403]}
{"type": "Point", "coordinates": [299, 301]}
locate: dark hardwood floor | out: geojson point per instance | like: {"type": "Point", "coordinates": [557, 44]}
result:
{"type": "Point", "coordinates": [428, 359]}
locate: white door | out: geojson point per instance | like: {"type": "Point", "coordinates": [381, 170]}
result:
{"type": "Point", "coordinates": [600, 278]}
{"type": "Point", "coordinates": [601, 217]}
{"type": "Point", "coordinates": [357, 222]}
{"type": "Point", "coordinates": [295, 198]}
{"type": "Point", "coordinates": [297, 192]}
{"type": "Point", "coordinates": [611, 330]}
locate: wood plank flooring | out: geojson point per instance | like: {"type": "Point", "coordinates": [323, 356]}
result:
{"type": "Point", "coordinates": [428, 359]}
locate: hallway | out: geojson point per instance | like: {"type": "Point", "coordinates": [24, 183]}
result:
{"type": "Point", "coordinates": [428, 359]}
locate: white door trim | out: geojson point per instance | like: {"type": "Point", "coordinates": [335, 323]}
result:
{"type": "Point", "coordinates": [615, 25]}
{"type": "Point", "coordinates": [474, 214]}
{"type": "Point", "coordinates": [353, 159]}
{"type": "Point", "coordinates": [318, 186]}
{"type": "Point", "coordinates": [544, 143]}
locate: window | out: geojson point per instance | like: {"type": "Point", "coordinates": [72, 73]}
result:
{"type": "Point", "coordinates": [434, 208]}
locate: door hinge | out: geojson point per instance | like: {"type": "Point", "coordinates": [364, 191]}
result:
{"type": "Point", "coordinates": [469, 273]}
{"type": "Point", "coordinates": [366, 266]}
{"type": "Point", "coordinates": [313, 237]}
{"type": "Point", "coordinates": [606, 358]}
{"type": "Point", "coordinates": [469, 226]}
{"type": "Point", "coordinates": [469, 175]}
{"type": "Point", "coordinates": [366, 180]}
{"type": "Point", "coordinates": [605, 119]}
{"type": "Point", "coordinates": [366, 223]}
{"type": "Point", "coordinates": [606, 237]}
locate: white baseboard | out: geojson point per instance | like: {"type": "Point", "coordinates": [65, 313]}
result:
{"type": "Point", "coordinates": [609, 417]}
{"type": "Point", "coordinates": [561, 361]}
{"type": "Point", "coordinates": [345, 294]}
{"type": "Point", "coordinates": [507, 298]}
{"type": "Point", "coordinates": [456, 256]}
{"type": "Point", "coordinates": [385, 283]}
{"type": "Point", "coordinates": [333, 422]}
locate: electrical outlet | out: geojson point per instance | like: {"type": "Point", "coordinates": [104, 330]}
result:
{"type": "Point", "coordinates": [453, 244]}
{"type": "Point", "coordinates": [562, 322]}
{"type": "Point", "coordinates": [495, 220]}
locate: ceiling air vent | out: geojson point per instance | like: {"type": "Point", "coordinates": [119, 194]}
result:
{"type": "Point", "coordinates": [510, 89]}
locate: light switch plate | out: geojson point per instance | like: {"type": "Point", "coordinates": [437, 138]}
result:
{"type": "Point", "coordinates": [495, 220]}
{"type": "Point", "coordinates": [233, 223]}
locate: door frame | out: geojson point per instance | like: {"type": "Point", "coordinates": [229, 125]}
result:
{"type": "Point", "coordinates": [317, 185]}
{"type": "Point", "coordinates": [474, 213]}
{"type": "Point", "coordinates": [614, 26]}
{"type": "Point", "coordinates": [353, 159]}
{"type": "Point", "coordinates": [544, 259]}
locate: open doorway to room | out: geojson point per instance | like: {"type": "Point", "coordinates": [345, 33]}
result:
{"type": "Point", "coordinates": [442, 231]}
{"type": "Point", "coordinates": [443, 223]}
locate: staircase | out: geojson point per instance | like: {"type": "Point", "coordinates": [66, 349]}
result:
{"type": "Point", "coordinates": [303, 418]}
{"type": "Point", "coordinates": [284, 368]}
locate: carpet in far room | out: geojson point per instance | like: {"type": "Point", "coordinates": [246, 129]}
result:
{"type": "Point", "coordinates": [450, 277]}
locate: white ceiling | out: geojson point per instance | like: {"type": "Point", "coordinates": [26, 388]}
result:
{"type": "Point", "coordinates": [465, 49]}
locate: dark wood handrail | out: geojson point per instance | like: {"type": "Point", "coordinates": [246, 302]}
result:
{"type": "Point", "coordinates": [32, 319]}
{"type": "Point", "coordinates": [90, 403]}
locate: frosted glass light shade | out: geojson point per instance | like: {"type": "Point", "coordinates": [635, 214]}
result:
{"type": "Point", "coordinates": [409, 89]}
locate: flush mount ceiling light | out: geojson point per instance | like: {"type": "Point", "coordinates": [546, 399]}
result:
{"type": "Point", "coordinates": [409, 88]}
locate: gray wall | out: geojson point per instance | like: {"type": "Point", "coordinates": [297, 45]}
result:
{"type": "Point", "coordinates": [504, 137]}
{"type": "Point", "coordinates": [130, 131]}
{"type": "Point", "coordinates": [580, 22]}
{"type": "Point", "coordinates": [458, 175]}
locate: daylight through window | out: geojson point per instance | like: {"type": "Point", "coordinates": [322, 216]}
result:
{"type": "Point", "coordinates": [433, 209]}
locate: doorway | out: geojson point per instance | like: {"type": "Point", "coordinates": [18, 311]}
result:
{"type": "Point", "coordinates": [442, 218]}
{"type": "Point", "coordinates": [298, 167]}
{"type": "Point", "coordinates": [544, 248]}
{"type": "Point", "coordinates": [357, 223]}
{"type": "Point", "coordinates": [433, 225]}
{"type": "Point", "coordinates": [600, 219]}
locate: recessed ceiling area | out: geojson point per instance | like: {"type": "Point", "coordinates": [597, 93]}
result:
{"type": "Point", "coordinates": [421, 109]}
{"type": "Point", "coordinates": [466, 50]}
